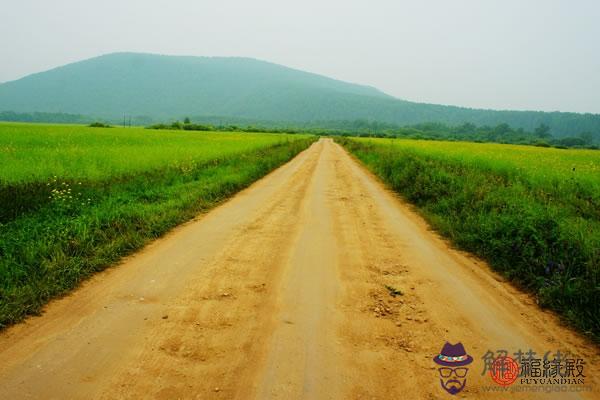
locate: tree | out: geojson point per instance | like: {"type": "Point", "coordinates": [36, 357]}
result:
{"type": "Point", "coordinates": [571, 141]}
{"type": "Point", "coordinates": [467, 127]}
{"type": "Point", "coordinates": [543, 131]}
{"type": "Point", "coordinates": [587, 137]}
{"type": "Point", "coordinates": [186, 120]}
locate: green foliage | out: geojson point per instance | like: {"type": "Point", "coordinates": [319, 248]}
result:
{"type": "Point", "coordinates": [571, 142]}
{"type": "Point", "coordinates": [57, 118]}
{"type": "Point", "coordinates": [99, 125]}
{"type": "Point", "coordinates": [74, 199]}
{"type": "Point", "coordinates": [186, 126]}
{"type": "Point", "coordinates": [543, 131]}
{"type": "Point", "coordinates": [532, 213]}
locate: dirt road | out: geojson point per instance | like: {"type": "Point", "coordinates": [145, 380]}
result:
{"type": "Point", "coordinates": [283, 292]}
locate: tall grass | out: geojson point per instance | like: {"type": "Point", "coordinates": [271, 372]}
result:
{"type": "Point", "coordinates": [532, 213]}
{"type": "Point", "coordinates": [103, 195]}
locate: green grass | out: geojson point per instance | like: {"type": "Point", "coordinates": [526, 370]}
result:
{"type": "Point", "coordinates": [532, 213]}
{"type": "Point", "coordinates": [30, 153]}
{"type": "Point", "coordinates": [75, 199]}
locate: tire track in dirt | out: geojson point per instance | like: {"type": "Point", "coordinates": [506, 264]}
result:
{"type": "Point", "coordinates": [302, 360]}
{"type": "Point", "coordinates": [213, 340]}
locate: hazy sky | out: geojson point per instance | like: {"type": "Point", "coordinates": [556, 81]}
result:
{"type": "Point", "coordinates": [505, 54]}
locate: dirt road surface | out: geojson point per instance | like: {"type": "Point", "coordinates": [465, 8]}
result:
{"type": "Point", "coordinates": [282, 293]}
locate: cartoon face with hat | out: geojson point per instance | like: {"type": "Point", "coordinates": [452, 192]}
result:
{"type": "Point", "coordinates": [453, 373]}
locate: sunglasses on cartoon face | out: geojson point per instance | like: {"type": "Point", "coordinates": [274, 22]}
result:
{"type": "Point", "coordinates": [448, 372]}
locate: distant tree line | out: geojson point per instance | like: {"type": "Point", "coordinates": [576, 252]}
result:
{"type": "Point", "coordinates": [502, 133]}
{"type": "Point", "coordinates": [542, 135]}
{"type": "Point", "coordinates": [65, 118]}
{"type": "Point", "coordinates": [186, 126]}
{"type": "Point", "coordinates": [99, 125]}
{"type": "Point", "coordinates": [57, 118]}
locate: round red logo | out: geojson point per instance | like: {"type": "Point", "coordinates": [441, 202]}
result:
{"type": "Point", "coordinates": [504, 371]}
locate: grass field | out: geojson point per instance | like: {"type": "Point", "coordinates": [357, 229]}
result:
{"type": "Point", "coordinates": [532, 213]}
{"type": "Point", "coordinates": [75, 199]}
{"type": "Point", "coordinates": [31, 153]}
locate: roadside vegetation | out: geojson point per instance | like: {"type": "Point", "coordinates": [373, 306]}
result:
{"type": "Point", "coordinates": [532, 213]}
{"type": "Point", "coordinates": [76, 199]}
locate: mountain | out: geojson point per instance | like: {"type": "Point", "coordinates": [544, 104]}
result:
{"type": "Point", "coordinates": [165, 87]}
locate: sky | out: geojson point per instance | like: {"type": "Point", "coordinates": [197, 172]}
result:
{"type": "Point", "coordinates": [505, 54]}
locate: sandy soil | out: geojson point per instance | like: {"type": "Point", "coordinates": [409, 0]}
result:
{"type": "Point", "coordinates": [280, 293]}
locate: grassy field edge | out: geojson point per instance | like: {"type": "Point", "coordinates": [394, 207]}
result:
{"type": "Point", "coordinates": [88, 226]}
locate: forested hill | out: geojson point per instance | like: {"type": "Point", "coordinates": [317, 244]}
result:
{"type": "Point", "coordinates": [164, 87]}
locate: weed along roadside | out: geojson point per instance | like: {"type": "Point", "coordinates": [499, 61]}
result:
{"type": "Point", "coordinates": [540, 229]}
{"type": "Point", "coordinates": [58, 230]}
